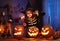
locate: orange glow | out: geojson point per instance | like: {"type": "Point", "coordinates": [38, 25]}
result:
{"type": "Point", "coordinates": [0, 29]}
{"type": "Point", "coordinates": [15, 28]}
{"type": "Point", "coordinates": [45, 33]}
{"type": "Point", "coordinates": [33, 34]}
{"type": "Point", "coordinates": [18, 33]}
{"type": "Point", "coordinates": [33, 31]}
{"type": "Point", "coordinates": [19, 29]}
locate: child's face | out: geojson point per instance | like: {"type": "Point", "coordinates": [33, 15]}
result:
{"type": "Point", "coordinates": [29, 14]}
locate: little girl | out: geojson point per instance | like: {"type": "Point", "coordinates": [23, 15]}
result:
{"type": "Point", "coordinates": [31, 19]}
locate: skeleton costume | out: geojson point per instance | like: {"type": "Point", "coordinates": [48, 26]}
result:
{"type": "Point", "coordinates": [32, 21]}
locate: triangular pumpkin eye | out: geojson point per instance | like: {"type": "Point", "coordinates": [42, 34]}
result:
{"type": "Point", "coordinates": [30, 30]}
{"type": "Point", "coordinates": [43, 28]}
{"type": "Point", "coordinates": [15, 28]}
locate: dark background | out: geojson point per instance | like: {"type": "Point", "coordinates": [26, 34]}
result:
{"type": "Point", "coordinates": [50, 7]}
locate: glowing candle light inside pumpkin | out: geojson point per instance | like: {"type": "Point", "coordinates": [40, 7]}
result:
{"type": "Point", "coordinates": [33, 31]}
{"type": "Point", "coordinates": [0, 29]}
{"type": "Point", "coordinates": [19, 31]}
{"type": "Point", "coordinates": [47, 31]}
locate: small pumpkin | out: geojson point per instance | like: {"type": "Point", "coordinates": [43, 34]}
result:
{"type": "Point", "coordinates": [19, 31]}
{"type": "Point", "coordinates": [33, 31]}
{"type": "Point", "coordinates": [2, 28]}
{"type": "Point", "coordinates": [47, 31]}
{"type": "Point", "coordinates": [57, 34]}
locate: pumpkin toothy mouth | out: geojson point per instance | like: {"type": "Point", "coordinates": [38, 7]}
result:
{"type": "Point", "coordinates": [18, 33]}
{"type": "Point", "coordinates": [45, 33]}
{"type": "Point", "coordinates": [33, 34]}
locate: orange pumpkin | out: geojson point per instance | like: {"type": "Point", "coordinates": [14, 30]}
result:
{"type": "Point", "coordinates": [2, 28]}
{"type": "Point", "coordinates": [47, 31]}
{"type": "Point", "coordinates": [19, 31]}
{"type": "Point", "coordinates": [33, 31]}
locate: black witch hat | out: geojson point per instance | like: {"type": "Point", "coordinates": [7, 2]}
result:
{"type": "Point", "coordinates": [27, 6]}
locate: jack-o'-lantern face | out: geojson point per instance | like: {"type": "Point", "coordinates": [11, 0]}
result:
{"type": "Point", "coordinates": [33, 31]}
{"type": "Point", "coordinates": [46, 30]}
{"type": "Point", "coordinates": [19, 31]}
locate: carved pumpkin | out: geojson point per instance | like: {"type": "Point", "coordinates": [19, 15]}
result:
{"type": "Point", "coordinates": [47, 31]}
{"type": "Point", "coordinates": [19, 31]}
{"type": "Point", "coordinates": [33, 31]}
{"type": "Point", "coordinates": [2, 28]}
{"type": "Point", "coordinates": [56, 34]}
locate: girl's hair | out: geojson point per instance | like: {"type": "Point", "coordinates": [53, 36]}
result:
{"type": "Point", "coordinates": [29, 9]}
